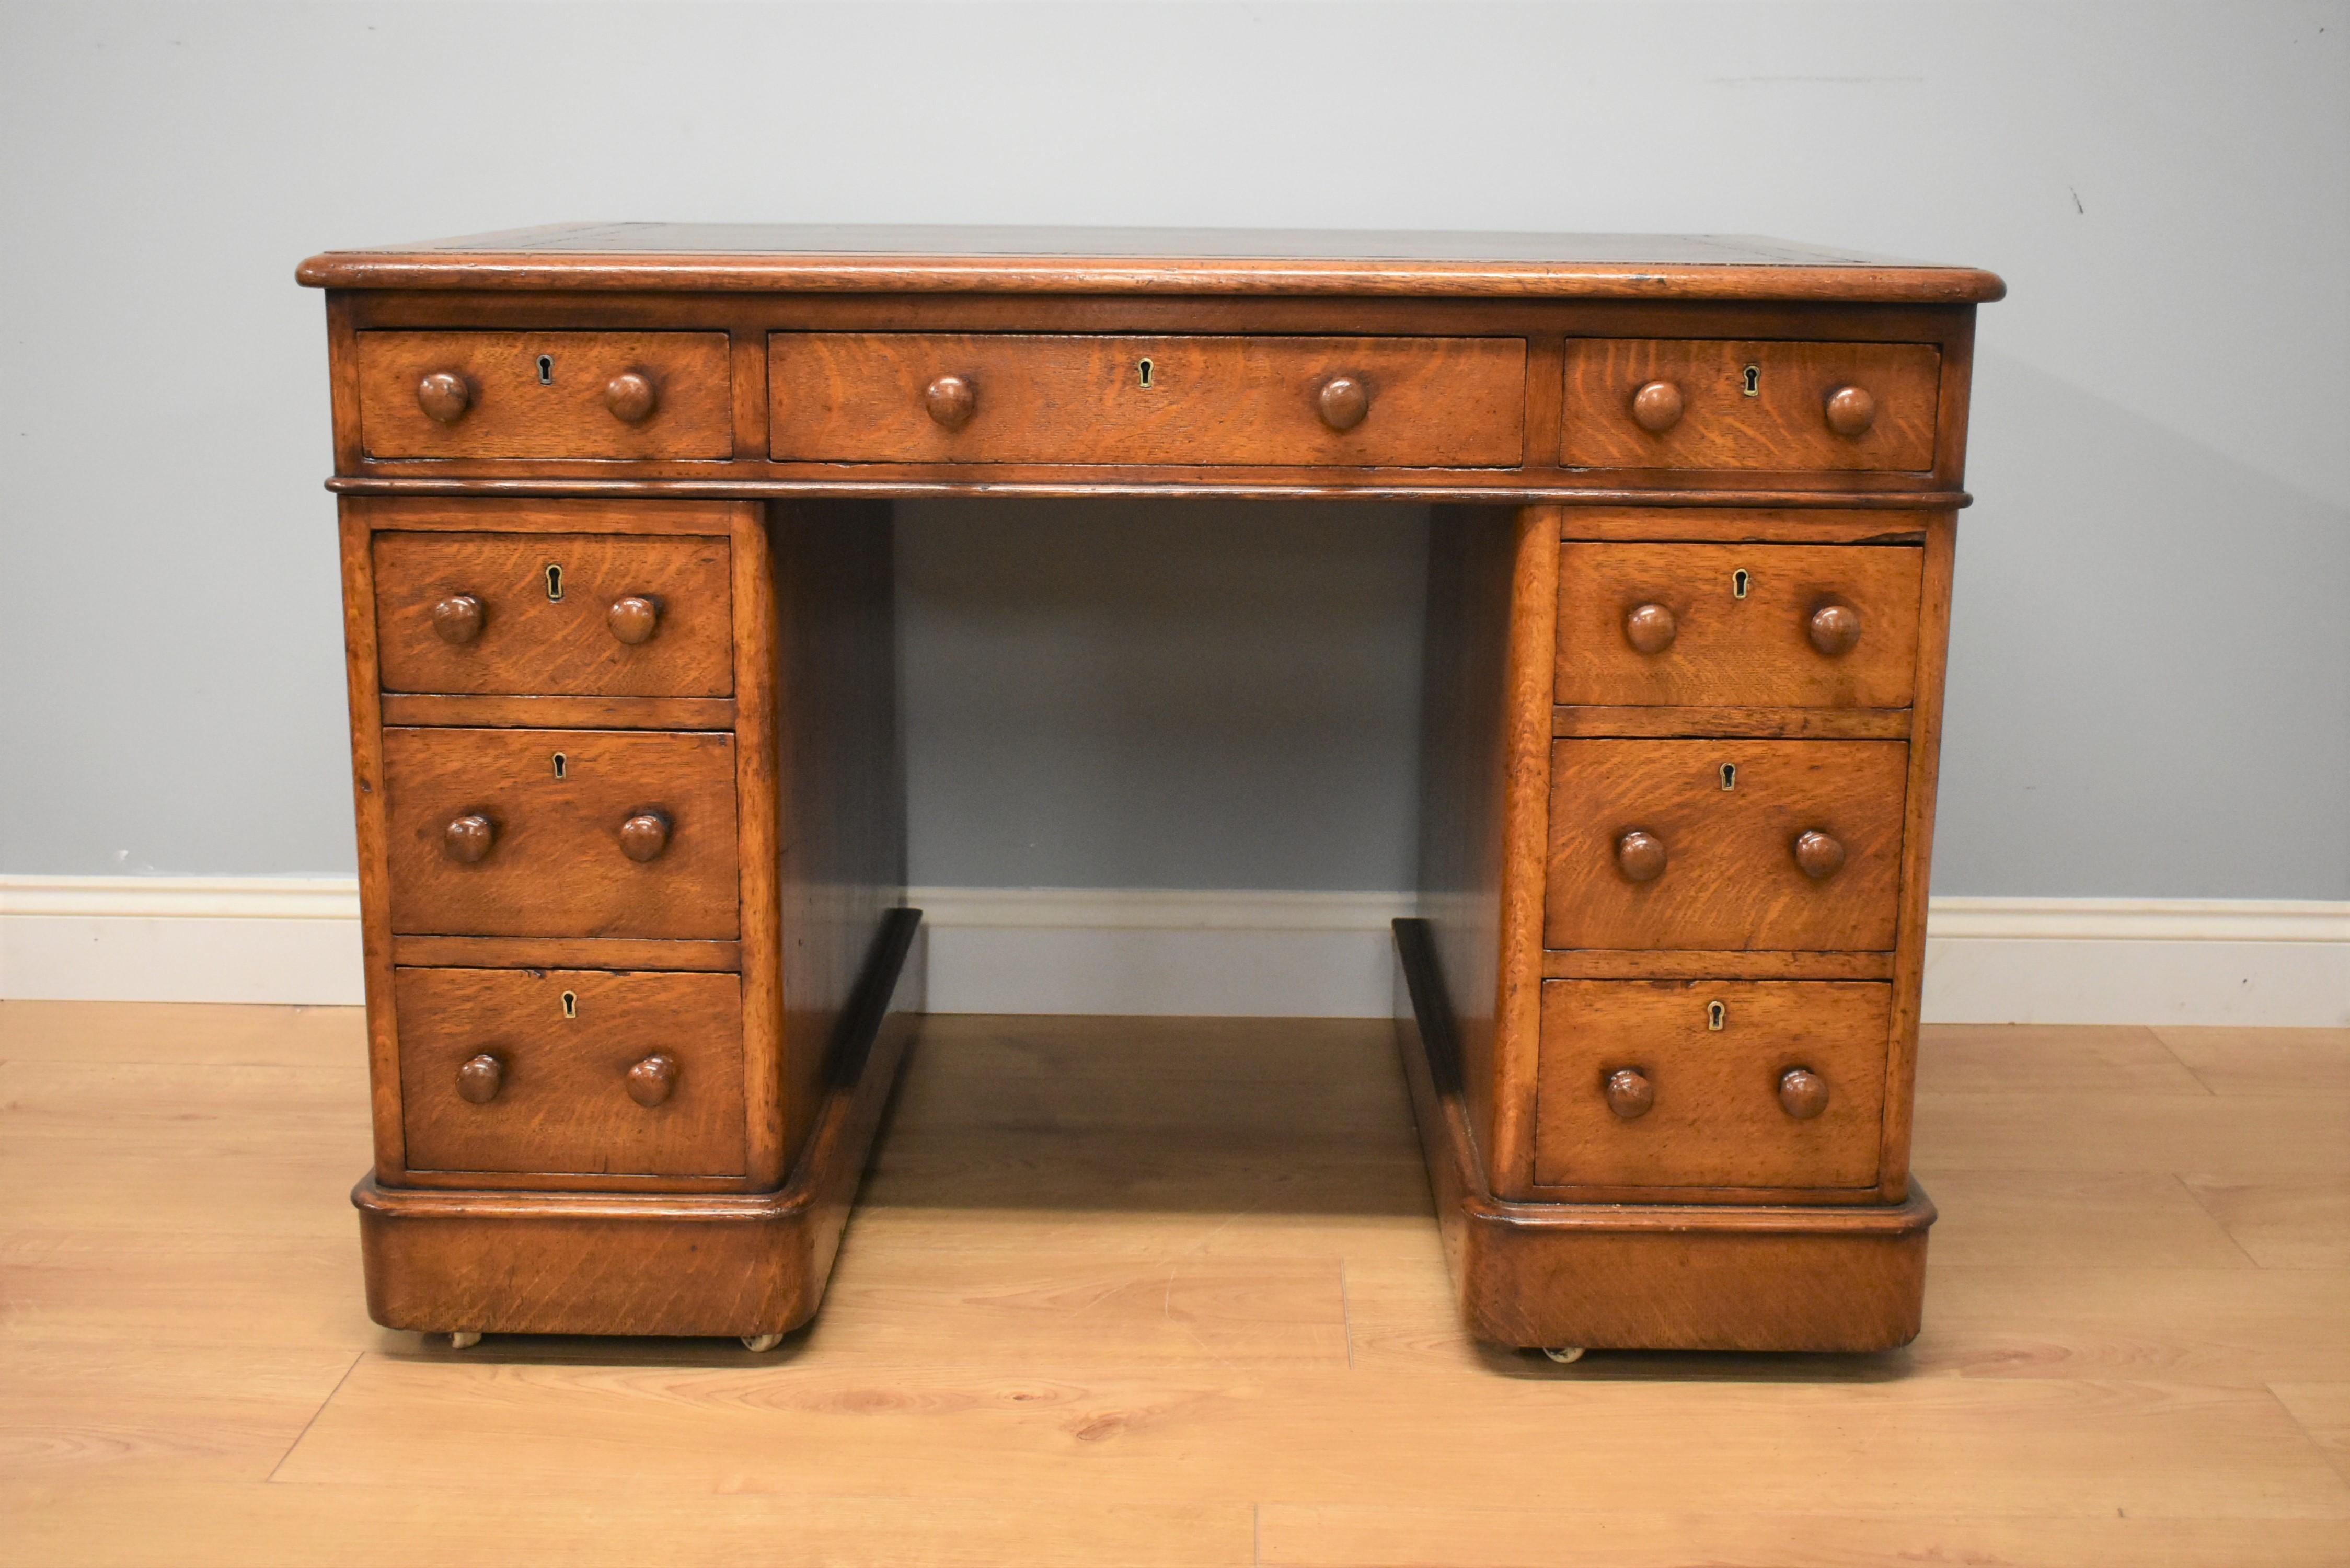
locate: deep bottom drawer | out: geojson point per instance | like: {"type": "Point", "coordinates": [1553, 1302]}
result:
{"type": "Point", "coordinates": [1711, 1084]}
{"type": "Point", "coordinates": [571, 1072]}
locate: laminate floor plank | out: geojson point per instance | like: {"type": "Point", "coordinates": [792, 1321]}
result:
{"type": "Point", "coordinates": [2018, 1058]}
{"type": "Point", "coordinates": [2323, 1411]}
{"type": "Point", "coordinates": [177, 1034]}
{"type": "Point", "coordinates": [2298, 1135]}
{"type": "Point", "coordinates": [2245, 1061]}
{"type": "Point", "coordinates": [2282, 1221]}
{"type": "Point", "coordinates": [2076, 1218]}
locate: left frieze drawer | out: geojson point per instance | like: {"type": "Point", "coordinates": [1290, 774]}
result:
{"type": "Point", "coordinates": [625, 396]}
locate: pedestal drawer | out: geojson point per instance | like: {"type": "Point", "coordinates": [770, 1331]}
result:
{"type": "Point", "coordinates": [1634, 402]}
{"type": "Point", "coordinates": [1711, 1084]}
{"type": "Point", "coordinates": [602, 615]}
{"type": "Point", "coordinates": [1761, 625]}
{"type": "Point", "coordinates": [1762, 844]}
{"type": "Point", "coordinates": [610, 395]}
{"type": "Point", "coordinates": [571, 1072]}
{"type": "Point", "coordinates": [561, 833]}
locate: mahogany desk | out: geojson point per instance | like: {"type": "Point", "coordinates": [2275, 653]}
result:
{"type": "Point", "coordinates": [616, 542]}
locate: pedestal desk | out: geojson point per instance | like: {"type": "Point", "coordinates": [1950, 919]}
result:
{"type": "Point", "coordinates": [617, 559]}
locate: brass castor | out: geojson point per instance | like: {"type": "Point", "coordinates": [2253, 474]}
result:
{"type": "Point", "coordinates": [1566, 1357]}
{"type": "Point", "coordinates": [754, 1343]}
{"type": "Point", "coordinates": [463, 1339]}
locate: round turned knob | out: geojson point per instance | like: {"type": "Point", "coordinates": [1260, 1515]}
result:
{"type": "Point", "coordinates": [1651, 629]}
{"type": "Point", "coordinates": [952, 401]}
{"type": "Point", "coordinates": [1834, 629]}
{"type": "Point", "coordinates": [1342, 402]}
{"type": "Point", "coordinates": [1657, 406]}
{"type": "Point", "coordinates": [1820, 856]}
{"type": "Point", "coordinates": [1629, 1093]}
{"type": "Point", "coordinates": [1851, 410]}
{"type": "Point", "coordinates": [480, 1079]}
{"type": "Point", "coordinates": [468, 838]}
{"type": "Point", "coordinates": [445, 397]}
{"type": "Point", "coordinates": [644, 835]}
{"type": "Point", "coordinates": [630, 396]}
{"type": "Point", "coordinates": [458, 619]}
{"type": "Point", "coordinates": [1640, 856]}
{"type": "Point", "coordinates": [1803, 1093]}
{"type": "Point", "coordinates": [652, 1080]}
{"type": "Point", "coordinates": [633, 620]}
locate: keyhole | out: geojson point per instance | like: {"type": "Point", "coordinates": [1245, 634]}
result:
{"type": "Point", "coordinates": [554, 583]}
{"type": "Point", "coordinates": [546, 370]}
{"type": "Point", "coordinates": [1145, 368]}
{"type": "Point", "coordinates": [1729, 775]}
{"type": "Point", "coordinates": [1752, 375]}
{"type": "Point", "coordinates": [571, 1005]}
{"type": "Point", "coordinates": [1716, 1015]}
{"type": "Point", "coordinates": [1738, 583]}
{"type": "Point", "coordinates": [561, 764]}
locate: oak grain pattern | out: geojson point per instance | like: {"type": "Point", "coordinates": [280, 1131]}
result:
{"type": "Point", "coordinates": [1717, 1121]}
{"type": "Point", "coordinates": [554, 711]}
{"type": "Point", "coordinates": [565, 952]}
{"type": "Point", "coordinates": [562, 1106]}
{"type": "Point", "coordinates": [555, 868]}
{"type": "Point", "coordinates": [1731, 651]}
{"type": "Point", "coordinates": [1783, 426]}
{"type": "Point", "coordinates": [1731, 879]}
{"type": "Point", "coordinates": [530, 643]}
{"type": "Point", "coordinates": [510, 412]}
{"type": "Point", "coordinates": [860, 398]}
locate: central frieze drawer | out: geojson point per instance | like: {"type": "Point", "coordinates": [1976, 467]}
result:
{"type": "Point", "coordinates": [571, 1072]}
{"type": "Point", "coordinates": [560, 833]}
{"type": "Point", "coordinates": [1413, 402]}
{"type": "Point", "coordinates": [1767, 845]}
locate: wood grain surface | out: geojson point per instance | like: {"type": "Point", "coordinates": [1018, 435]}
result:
{"type": "Point", "coordinates": [531, 643]}
{"type": "Point", "coordinates": [860, 397]}
{"type": "Point", "coordinates": [514, 408]}
{"type": "Point", "coordinates": [563, 1106]}
{"type": "Point", "coordinates": [1717, 1121]}
{"type": "Point", "coordinates": [1782, 426]}
{"type": "Point", "coordinates": [1726, 651]}
{"type": "Point", "coordinates": [555, 868]}
{"type": "Point", "coordinates": [1731, 879]}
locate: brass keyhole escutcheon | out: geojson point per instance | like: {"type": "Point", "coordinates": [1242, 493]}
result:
{"type": "Point", "coordinates": [546, 370]}
{"type": "Point", "coordinates": [562, 766]}
{"type": "Point", "coordinates": [1729, 775]}
{"type": "Point", "coordinates": [1143, 369]}
{"type": "Point", "coordinates": [1751, 381]}
{"type": "Point", "coordinates": [554, 584]}
{"type": "Point", "coordinates": [570, 1004]}
{"type": "Point", "coordinates": [1715, 1014]}
{"type": "Point", "coordinates": [1739, 583]}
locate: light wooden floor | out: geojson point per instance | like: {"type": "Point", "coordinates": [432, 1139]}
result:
{"type": "Point", "coordinates": [1169, 1292]}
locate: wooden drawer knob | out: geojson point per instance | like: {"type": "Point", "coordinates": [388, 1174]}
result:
{"type": "Point", "coordinates": [1803, 1093]}
{"type": "Point", "coordinates": [1820, 856]}
{"type": "Point", "coordinates": [1629, 1093]}
{"type": "Point", "coordinates": [652, 1080]}
{"type": "Point", "coordinates": [1657, 406]}
{"type": "Point", "coordinates": [634, 619]}
{"type": "Point", "coordinates": [1851, 410]}
{"type": "Point", "coordinates": [445, 397]}
{"type": "Point", "coordinates": [468, 838]}
{"type": "Point", "coordinates": [480, 1080]}
{"type": "Point", "coordinates": [644, 835]}
{"type": "Point", "coordinates": [458, 619]}
{"type": "Point", "coordinates": [1342, 402]}
{"type": "Point", "coordinates": [1640, 856]}
{"type": "Point", "coordinates": [952, 401]}
{"type": "Point", "coordinates": [630, 396]}
{"type": "Point", "coordinates": [1835, 629]}
{"type": "Point", "coordinates": [1651, 629]}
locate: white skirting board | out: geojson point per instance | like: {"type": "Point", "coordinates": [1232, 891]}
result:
{"type": "Point", "coordinates": [1230, 953]}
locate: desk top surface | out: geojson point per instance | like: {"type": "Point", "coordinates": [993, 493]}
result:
{"type": "Point", "coordinates": [846, 258]}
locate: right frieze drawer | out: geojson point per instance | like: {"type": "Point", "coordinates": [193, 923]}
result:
{"type": "Point", "coordinates": [1761, 846]}
{"type": "Point", "coordinates": [1759, 626]}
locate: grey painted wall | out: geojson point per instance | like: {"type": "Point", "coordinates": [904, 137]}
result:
{"type": "Point", "coordinates": [2150, 688]}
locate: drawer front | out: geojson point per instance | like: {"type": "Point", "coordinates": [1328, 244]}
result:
{"type": "Point", "coordinates": [925, 398]}
{"type": "Point", "coordinates": [599, 615]}
{"type": "Point", "coordinates": [1760, 626]}
{"type": "Point", "coordinates": [1649, 850]}
{"type": "Point", "coordinates": [642, 395]}
{"type": "Point", "coordinates": [1636, 402]}
{"type": "Point", "coordinates": [485, 839]}
{"type": "Point", "coordinates": [1707, 1101]}
{"type": "Point", "coordinates": [587, 1072]}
